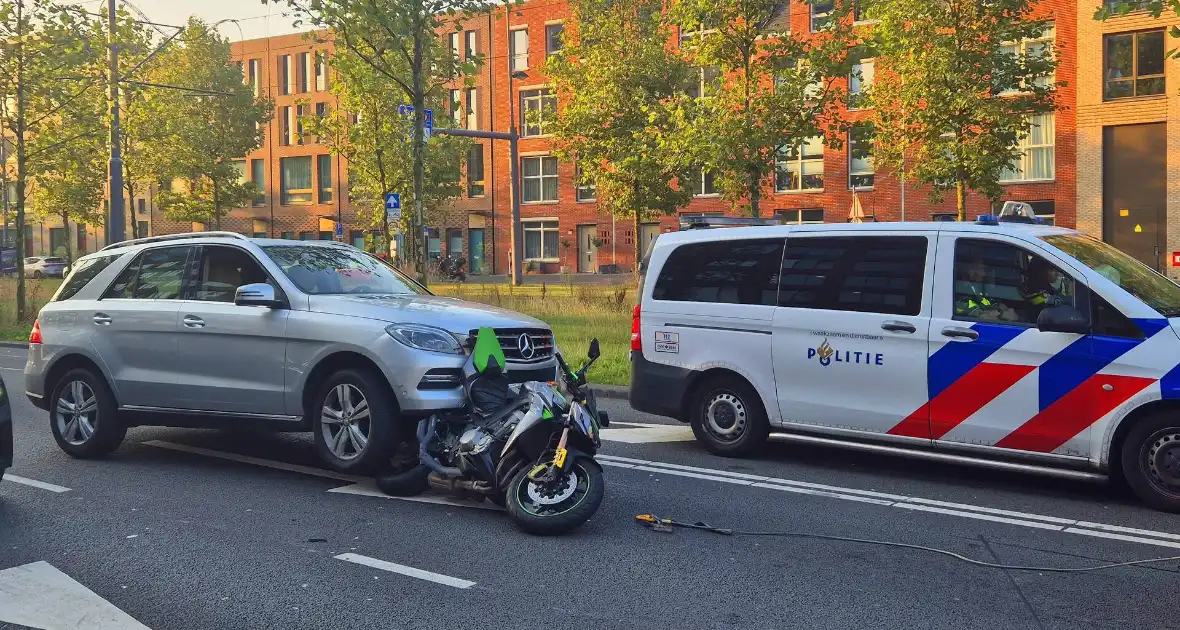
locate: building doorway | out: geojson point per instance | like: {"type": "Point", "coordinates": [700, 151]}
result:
{"type": "Point", "coordinates": [587, 249]}
{"type": "Point", "coordinates": [647, 233]}
{"type": "Point", "coordinates": [1134, 190]}
{"type": "Point", "coordinates": [475, 255]}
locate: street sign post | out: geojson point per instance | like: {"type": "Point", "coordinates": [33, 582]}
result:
{"type": "Point", "coordinates": [339, 230]}
{"type": "Point", "coordinates": [427, 119]}
{"type": "Point", "coordinates": [393, 206]}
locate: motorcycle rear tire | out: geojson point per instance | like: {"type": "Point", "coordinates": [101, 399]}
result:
{"type": "Point", "coordinates": [561, 523]}
{"type": "Point", "coordinates": [410, 483]}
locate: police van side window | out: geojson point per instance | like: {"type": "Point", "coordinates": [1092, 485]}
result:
{"type": "Point", "coordinates": [726, 272]}
{"type": "Point", "coordinates": [864, 274]}
{"type": "Point", "coordinates": [1001, 283]}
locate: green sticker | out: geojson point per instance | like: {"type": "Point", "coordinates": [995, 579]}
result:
{"type": "Point", "coordinates": [487, 348]}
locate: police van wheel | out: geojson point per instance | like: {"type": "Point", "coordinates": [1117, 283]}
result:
{"type": "Point", "coordinates": [1151, 461]}
{"type": "Point", "coordinates": [727, 417]}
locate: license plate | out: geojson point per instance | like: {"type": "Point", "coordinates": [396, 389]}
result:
{"type": "Point", "coordinates": [559, 458]}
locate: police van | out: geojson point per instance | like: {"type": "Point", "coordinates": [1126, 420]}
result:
{"type": "Point", "coordinates": [1016, 346]}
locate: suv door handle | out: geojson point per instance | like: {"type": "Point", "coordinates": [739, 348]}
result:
{"type": "Point", "coordinates": [102, 319]}
{"type": "Point", "coordinates": [960, 332]}
{"type": "Point", "coordinates": [894, 326]}
{"type": "Point", "coordinates": [192, 321]}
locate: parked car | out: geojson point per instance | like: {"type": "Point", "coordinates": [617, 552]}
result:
{"type": "Point", "coordinates": [215, 329]}
{"type": "Point", "coordinates": [45, 267]}
{"type": "Point", "coordinates": [1014, 346]}
{"type": "Point", "coordinates": [5, 429]}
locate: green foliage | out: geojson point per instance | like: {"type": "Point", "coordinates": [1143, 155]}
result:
{"type": "Point", "coordinates": [204, 134]}
{"type": "Point", "coordinates": [949, 98]}
{"type": "Point", "coordinates": [618, 82]}
{"type": "Point", "coordinates": [765, 88]}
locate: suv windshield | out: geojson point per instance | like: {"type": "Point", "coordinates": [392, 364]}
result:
{"type": "Point", "coordinates": [1133, 276]}
{"type": "Point", "coordinates": [321, 270]}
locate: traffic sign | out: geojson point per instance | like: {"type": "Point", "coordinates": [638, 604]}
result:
{"type": "Point", "coordinates": [393, 206]}
{"type": "Point", "coordinates": [427, 119]}
{"type": "Point", "coordinates": [339, 229]}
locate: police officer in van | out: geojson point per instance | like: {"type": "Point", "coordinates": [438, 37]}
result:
{"type": "Point", "coordinates": [1042, 286]}
{"type": "Point", "coordinates": [973, 300]}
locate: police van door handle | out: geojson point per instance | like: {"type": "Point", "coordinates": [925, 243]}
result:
{"type": "Point", "coordinates": [959, 332]}
{"type": "Point", "coordinates": [895, 326]}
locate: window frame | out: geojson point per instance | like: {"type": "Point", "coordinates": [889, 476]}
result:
{"type": "Point", "coordinates": [285, 193]}
{"type": "Point", "coordinates": [852, 172]}
{"type": "Point", "coordinates": [1081, 299]}
{"type": "Point", "coordinates": [549, 28]}
{"type": "Point", "coordinates": [799, 161]}
{"type": "Point", "coordinates": [783, 214]}
{"type": "Point", "coordinates": [540, 177]}
{"type": "Point", "coordinates": [324, 194]}
{"type": "Point", "coordinates": [703, 183]}
{"type": "Point", "coordinates": [537, 96]}
{"type": "Point", "coordinates": [1025, 160]}
{"type": "Point", "coordinates": [819, 16]}
{"type": "Point", "coordinates": [542, 227]}
{"type": "Point", "coordinates": [197, 263]}
{"type": "Point", "coordinates": [260, 198]}
{"type": "Point", "coordinates": [481, 181]}
{"type": "Point", "coordinates": [1135, 77]}
{"type": "Point", "coordinates": [517, 60]}
{"type": "Point", "coordinates": [672, 272]}
{"type": "Point", "coordinates": [856, 100]}
{"type": "Point", "coordinates": [470, 44]}
{"type": "Point", "coordinates": [827, 291]}
{"type": "Point", "coordinates": [471, 108]}
{"type": "Point", "coordinates": [1021, 49]}
{"type": "Point", "coordinates": [580, 188]}
{"type": "Point", "coordinates": [136, 262]}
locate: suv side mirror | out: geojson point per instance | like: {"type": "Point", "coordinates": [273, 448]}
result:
{"type": "Point", "coordinates": [594, 352]}
{"type": "Point", "coordinates": [257, 294]}
{"type": "Point", "coordinates": [1064, 319]}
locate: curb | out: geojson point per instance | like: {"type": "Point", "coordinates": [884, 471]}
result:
{"type": "Point", "coordinates": [13, 344]}
{"type": "Point", "coordinates": [614, 392]}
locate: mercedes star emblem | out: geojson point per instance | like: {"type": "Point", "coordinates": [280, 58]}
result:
{"type": "Point", "coordinates": [524, 343]}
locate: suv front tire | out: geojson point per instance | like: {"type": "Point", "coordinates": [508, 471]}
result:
{"type": "Point", "coordinates": [352, 420]}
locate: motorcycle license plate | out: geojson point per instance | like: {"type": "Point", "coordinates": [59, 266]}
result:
{"type": "Point", "coordinates": [559, 458]}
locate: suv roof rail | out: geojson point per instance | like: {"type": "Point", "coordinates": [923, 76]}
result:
{"type": "Point", "coordinates": [173, 237]}
{"type": "Point", "coordinates": [696, 222]}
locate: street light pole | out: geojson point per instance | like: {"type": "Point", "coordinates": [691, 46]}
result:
{"type": "Point", "coordinates": [517, 240]}
{"type": "Point", "coordinates": [115, 221]}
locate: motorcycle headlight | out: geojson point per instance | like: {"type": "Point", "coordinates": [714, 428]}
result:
{"type": "Point", "coordinates": [425, 338]}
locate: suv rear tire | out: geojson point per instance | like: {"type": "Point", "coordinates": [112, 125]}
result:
{"type": "Point", "coordinates": [1150, 457]}
{"type": "Point", "coordinates": [352, 420]}
{"type": "Point", "coordinates": [727, 417]}
{"type": "Point", "coordinates": [84, 416]}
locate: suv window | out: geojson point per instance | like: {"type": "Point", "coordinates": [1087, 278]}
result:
{"type": "Point", "coordinates": [84, 271]}
{"type": "Point", "coordinates": [728, 272]}
{"type": "Point", "coordinates": [156, 274]}
{"type": "Point", "coordinates": [998, 282]}
{"type": "Point", "coordinates": [864, 274]}
{"type": "Point", "coordinates": [223, 270]}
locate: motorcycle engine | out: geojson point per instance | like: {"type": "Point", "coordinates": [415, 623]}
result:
{"type": "Point", "coordinates": [474, 441]}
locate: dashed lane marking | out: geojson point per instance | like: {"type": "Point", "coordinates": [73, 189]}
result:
{"type": "Point", "coordinates": [52, 487]}
{"type": "Point", "coordinates": [38, 595]}
{"type": "Point", "coordinates": [401, 569]}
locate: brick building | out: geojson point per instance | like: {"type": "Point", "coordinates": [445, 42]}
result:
{"type": "Point", "coordinates": [1128, 117]}
{"type": "Point", "coordinates": [563, 230]}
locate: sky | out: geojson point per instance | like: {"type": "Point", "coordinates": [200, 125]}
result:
{"type": "Point", "coordinates": [256, 19]}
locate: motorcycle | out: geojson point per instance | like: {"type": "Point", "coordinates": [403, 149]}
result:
{"type": "Point", "coordinates": [451, 268]}
{"type": "Point", "coordinates": [528, 448]}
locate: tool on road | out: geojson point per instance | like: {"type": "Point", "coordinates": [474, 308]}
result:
{"type": "Point", "coordinates": [667, 525]}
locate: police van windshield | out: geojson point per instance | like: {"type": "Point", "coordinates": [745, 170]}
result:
{"type": "Point", "coordinates": [1133, 276]}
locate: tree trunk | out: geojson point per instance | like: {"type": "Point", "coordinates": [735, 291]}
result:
{"type": "Point", "coordinates": [129, 185]}
{"type": "Point", "coordinates": [755, 190]}
{"type": "Point", "coordinates": [419, 98]}
{"type": "Point", "coordinates": [961, 199]}
{"type": "Point", "coordinates": [384, 213]}
{"type": "Point", "coordinates": [216, 206]}
{"type": "Point", "coordinates": [638, 240]}
{"type": "Point", "coordinates": [65, 221]}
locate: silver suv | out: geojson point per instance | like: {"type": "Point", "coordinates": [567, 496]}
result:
{"type": "Point", "coordinates": [215, 329]}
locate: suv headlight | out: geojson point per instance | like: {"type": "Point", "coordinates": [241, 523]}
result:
{"type": "Point", "coordinates": [425, 338]}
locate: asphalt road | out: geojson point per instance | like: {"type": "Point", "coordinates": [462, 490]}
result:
{"type": "Point", "coordinates": [232, 530]}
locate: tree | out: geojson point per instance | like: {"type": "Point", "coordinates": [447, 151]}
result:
{"type": "Point", "coordinates": [361, 130]}
{"type": "Point", "coordinates": [43, 54]}
{"type": "Point", "coordinates": [399, 40]}
{"type": "Point", "coordinates": [208, 161]}
{"type": "Point", "coordinates": [617, 82]}
{"type": "Point", "coordinates": [762, 90]}
{"type": "Point", "coordinates": [951, 95]}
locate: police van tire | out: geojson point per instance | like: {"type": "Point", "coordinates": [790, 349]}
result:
{"type": "Point", "coordinates": [727, 417]}
{"type": "Point", "coordinates": [1150, 457]}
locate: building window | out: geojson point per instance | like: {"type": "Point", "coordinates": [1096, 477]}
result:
{"type": "Point", "coordinates": [859, 11]}
{"type": "Point", "coordinates": [1039, 161]}
{"type": "Point", "coordinates": [584, 190]}
{"type": "Point", "coordinates": [537, 109]}
{"type": "Point", "coordinates": [471, 50]}
{"type": "Point", "coordinates": [258, 177]}
{"type": "Point", "coordinates": [433, 244]}
{"type": "Point", "coordinates": [141, 206]}
{"type": "Point", "coordinates": [252, 75]}
{"type": "Point", "coordinates": [357, 238]}
{"type": "Point", "coordinates": [472, 107]}
{"type": "Point", "coordinates": [1034, 48]}
{"type": "Point", "coordinates": [285, 121]}
{"type": "Point", "coordinates": [859, 81]}
{"type": "Point", "coordinates": [307, 236]}
{"type": "Point", "coordinates": [705, 184]}
{"type": "Point", "coordinates": [321, 71]}
{"type": "Point", "coordinates": [800, 167]}
{"type": "Point", "coordinates": [324, 173]}
{"type": "Point", "coordinates": [784, 71]}
{"type": "Point", "coordinates": [800, 216]}
{"type": "Point", "coordinates": [475, 179]}
{"type": "Point", "coordinates": [540, 240]}
{"type": "Point", "coordinates": [704, 81]}
{"type": "Point", "coordinates": [295, 180]}
{"type": "Point", "coordinates": [553, 34]}
{"type": "Point", "coordinates": [860, 157]}
{"type": "Point", "coordinates": [540, 179]}
{"type": "Point", "coordinates": [300, 112]}
{"type": "Point", "coordinates": [520, 49]}
{"type": "Point", "coordinates": [144, 230]}
{"type": "Point", "coordinates": [456, 111]}
{"type": "Point", "coordinates": [821, 12]}
{"type": "Point", "coordinates": [290, 236]}
{"type": "Point", "coordinates": [301, 66]}
{"type": "Point", "coordinates": [1134, 64]}
{"type": "Point", "coordinates": [284, 68]}
{"type": "Point", "coordinates": [453, 44]}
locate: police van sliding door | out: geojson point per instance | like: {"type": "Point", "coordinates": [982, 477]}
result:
{"type": "Point", "coordinates": [851, 331]}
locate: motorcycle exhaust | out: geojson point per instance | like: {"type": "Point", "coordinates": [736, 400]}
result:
{"type": "Point", "coordinates": [425, 430]}
{"type": "Point", "coordinates": [463, 488]}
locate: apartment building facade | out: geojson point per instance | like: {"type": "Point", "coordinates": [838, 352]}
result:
{"type": "Point", "coordinates": [1128, 116]}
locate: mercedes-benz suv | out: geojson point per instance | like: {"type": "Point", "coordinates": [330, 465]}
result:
{"type": "Point", "coordinates": [216, 329]}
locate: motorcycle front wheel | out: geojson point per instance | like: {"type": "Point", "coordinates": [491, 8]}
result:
{"type": "Point", "coordinates": [557, 507]}
{"type": "Point", "coordinates": [404, 475]}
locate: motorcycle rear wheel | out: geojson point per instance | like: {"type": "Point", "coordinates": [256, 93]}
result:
{"type": "Point", "coordinates": [558, 509]}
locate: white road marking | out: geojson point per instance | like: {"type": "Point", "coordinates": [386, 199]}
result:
{"type": "Point", "coordinates": [368, 488]}
{"type": "Point", "coordinates": [402, 569]}
{"type": "Point", "coordinates": [916, 504]}
{"type": "Point", "coordinates": [12, 369]}
{"type": "Point", "coordinates": [647, 433]}
{"type": "Point", "coordinates": [52, 487]}
{"type": "Point", "coordinates": [38, 595]}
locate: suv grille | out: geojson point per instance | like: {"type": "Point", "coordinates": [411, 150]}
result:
{"type": "Point", "coordinates": [540, 340]}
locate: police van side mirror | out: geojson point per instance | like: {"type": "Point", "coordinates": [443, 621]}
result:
{"type": "Point", "coordinates": [1063, 319]}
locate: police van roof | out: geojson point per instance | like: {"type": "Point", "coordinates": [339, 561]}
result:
{"type": "Point", "coordinates": [1026, 230]}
